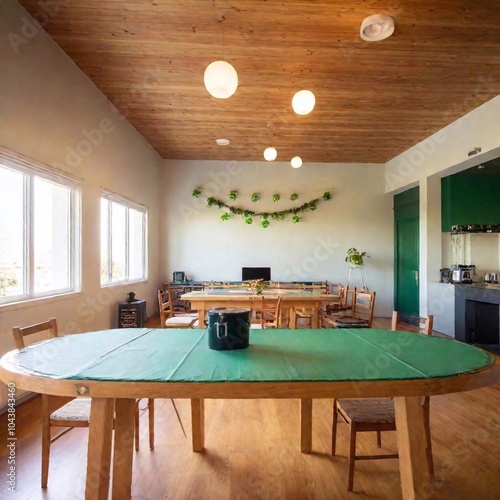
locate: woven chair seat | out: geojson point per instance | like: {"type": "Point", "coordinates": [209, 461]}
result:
{"type": "Point", "coordinates": [184, 321]}
{"type": "Point", "coordinates": [347, 322]}
{"type": "Point", "coordinates": [77, 410]}
{"type": "Point", "coordinates": [368, 411]}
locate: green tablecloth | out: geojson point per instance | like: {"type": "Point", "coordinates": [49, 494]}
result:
{"type": "Point", "coordinates": [140, 354]}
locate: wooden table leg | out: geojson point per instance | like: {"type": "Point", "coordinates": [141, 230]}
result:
{"type": "Point", "coordinates": [198, 424]}
{"type": "Point", "coordinates": [305, 425]}
{"type": "Point", "coordinates": [292, 318]}
{"type": "Point", "coordinates": [201, 315]}
{"type": "Point", "coordinates": [99, 449]}
{"type": "Point", "coordinates": [315, 317]}
{"type": "Point", "coordinates": [123, 449]}
{"type": "Point", "coordinates": [411, 445]}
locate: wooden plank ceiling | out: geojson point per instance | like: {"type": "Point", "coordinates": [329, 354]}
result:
{"type": "Point", "coordinates": [373, 100]}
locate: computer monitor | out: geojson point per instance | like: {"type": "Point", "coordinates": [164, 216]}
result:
{"type": "Point", "coordinates": [256, 273]}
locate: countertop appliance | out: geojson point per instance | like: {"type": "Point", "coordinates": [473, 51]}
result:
{"type": "Point", "coordinates": [463, 274]}
{"type": "Point", "coordinates": [491, 278]}
{"type": "Point", "coordinates": [445, 275]}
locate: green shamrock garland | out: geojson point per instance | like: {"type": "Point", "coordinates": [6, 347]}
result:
{"type": "Point", "coordinates": [248, 215]}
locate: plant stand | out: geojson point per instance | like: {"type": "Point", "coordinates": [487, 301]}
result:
{"type": "Point", "coordinates": [360, 268]}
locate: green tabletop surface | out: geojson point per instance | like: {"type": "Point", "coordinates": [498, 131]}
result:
{"type": "Point", "coordinates": [174, 355]}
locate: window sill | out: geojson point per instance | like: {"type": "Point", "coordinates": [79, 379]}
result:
{"type": "Point", "coordinates": [13, 306]}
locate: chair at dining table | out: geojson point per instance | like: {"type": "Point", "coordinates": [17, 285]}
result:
{"type": "Point", "coordinates": [378, 415]}
{"type": "Point", "coordinates": [64, 412]}
{"type": "Point", "coordinates": [172, 316]}
{"type": "Point", "coordinates": [361, 315]}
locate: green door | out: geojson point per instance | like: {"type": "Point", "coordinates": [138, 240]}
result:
{"type": "Point", "coordinates": [407, 292]}
{"type": "Point", "coordinates": [406, 253]}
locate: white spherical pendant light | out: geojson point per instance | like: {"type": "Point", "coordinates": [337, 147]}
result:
{"type": "Point", "coordinates": [303, 102]}
{"type": "Point", "coordinates": [221, 79]}
{"type": "Point", "coordinates": [296, 162]}
{"type": "Point", "coordinates": [270, 154]}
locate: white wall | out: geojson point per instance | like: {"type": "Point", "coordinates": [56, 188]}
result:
{"type": "Point", "coordinates": [48, 111]}
{"type": "Point", "coordinates": [359, 215]}
{"type": "Point", "coordinates": [444, 153]}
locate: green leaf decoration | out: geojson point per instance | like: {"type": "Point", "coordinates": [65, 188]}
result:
{"type": "Point", "coordinates": [249, 215]}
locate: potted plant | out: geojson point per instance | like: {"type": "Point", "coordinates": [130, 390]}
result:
{"type": "Point", "coordinates": [354, 257]}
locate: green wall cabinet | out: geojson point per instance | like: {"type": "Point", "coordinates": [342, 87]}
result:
{"type": "Point", "coordinates": [470, 199]}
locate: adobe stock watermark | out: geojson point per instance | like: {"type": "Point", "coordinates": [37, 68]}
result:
{"type": "Point", "coordinates": [30, 27]}
{"type": "Point", "coordinates": [94, 137]}
{"type": "Point", "coordinates": [11, 437]}
{"type": "Point", "coordinates": [220, 180]}
{"type": "Point", "coordinates": [420, 153]}
{"type": "Point", "coordinates": [324, 248]}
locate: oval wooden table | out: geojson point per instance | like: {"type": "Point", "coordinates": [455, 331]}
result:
{"type": "Point", "coordinates": [115, 367]}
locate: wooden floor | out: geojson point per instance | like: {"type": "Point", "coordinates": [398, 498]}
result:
{"type": "Point", "coordinates": [252, 452]}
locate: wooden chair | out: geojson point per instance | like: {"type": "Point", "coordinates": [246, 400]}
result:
{"type": "Point", "coordinates": [65, 412]}
{"type": "Point", "coordinates": [314, 287]}
{"type": "Point", "coordinates": [270, 316]}
{"type": "Point", "coordinates": [375, 414]}
{"type": "Point", "coordinates": [172, 317]}
{"type": "Point", "coordinates": [337, 305]}
{"type": "Point", "coordinates": [363, 305]}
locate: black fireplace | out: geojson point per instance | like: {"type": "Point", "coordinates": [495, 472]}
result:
{"type": "Point", "coordinates": [482, 325]}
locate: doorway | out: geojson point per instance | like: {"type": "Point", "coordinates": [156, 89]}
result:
{"type": "Point", "coordinates": [406, 254]}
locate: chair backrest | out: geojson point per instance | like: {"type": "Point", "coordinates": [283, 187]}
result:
{"type": "Point", "coordinates": [363, 305]}
{"type": "Point", "coordinates": [343, 295]}
{"type": "Point", "coordinates": [425, 325]}
{"type": "Point", "coordinates": [270, 314]}
{"type": "Point", "coordinates": [20, 333]}
{"type": "Point", "coordinates": [164, 307]}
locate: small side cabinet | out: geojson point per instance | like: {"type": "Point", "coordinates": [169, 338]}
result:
{"type": "Point", "coordinates": [132, 314]}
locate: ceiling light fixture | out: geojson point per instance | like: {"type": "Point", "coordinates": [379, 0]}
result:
{"type": "Point", "coordinates": [222, 142]}
{"type": "Point", "coordinates": [221, 79]}
{"type": "Point", "coordinates": [376, 27]}
{"type": "Point", "coordinates": [270, 154]}
{"type": "Point", "coordinates": [296, 162]}
{"type": "Point", "coordinates": [303, 102]}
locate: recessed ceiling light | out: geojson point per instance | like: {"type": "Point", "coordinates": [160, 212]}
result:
{"type": "Point", "coordinates": [376, 27]}
{"type": "Point", "coordinates": [296, 161]}
{"type": "Point", "coordinates": [222, 142]}
{"type": "Point", "coordinates": [480, 166]}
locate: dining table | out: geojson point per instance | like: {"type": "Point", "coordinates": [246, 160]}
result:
{"type": "Point", "coordinates": [114, 367]}
{"type": "Point", "coordinates": [292, 300]}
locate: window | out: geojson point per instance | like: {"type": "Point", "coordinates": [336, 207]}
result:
{"type": "Point", "coordinates": [39, 231]}
{"type": "Point", "coordinates": [123, 240]}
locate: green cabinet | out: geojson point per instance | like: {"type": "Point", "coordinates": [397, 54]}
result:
{"type": "Point", "coordinates": [470, 199]}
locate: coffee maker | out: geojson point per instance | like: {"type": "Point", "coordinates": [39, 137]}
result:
{"type": "Point", "coordinates": [445, 274]}
{"type": "Point", "coordinates": [462, 274]}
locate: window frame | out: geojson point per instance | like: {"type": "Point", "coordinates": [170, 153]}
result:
{"type": "Point", "coordinates": [31, 170]}
{"type": "Point", "coordinates": [128, 204]}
